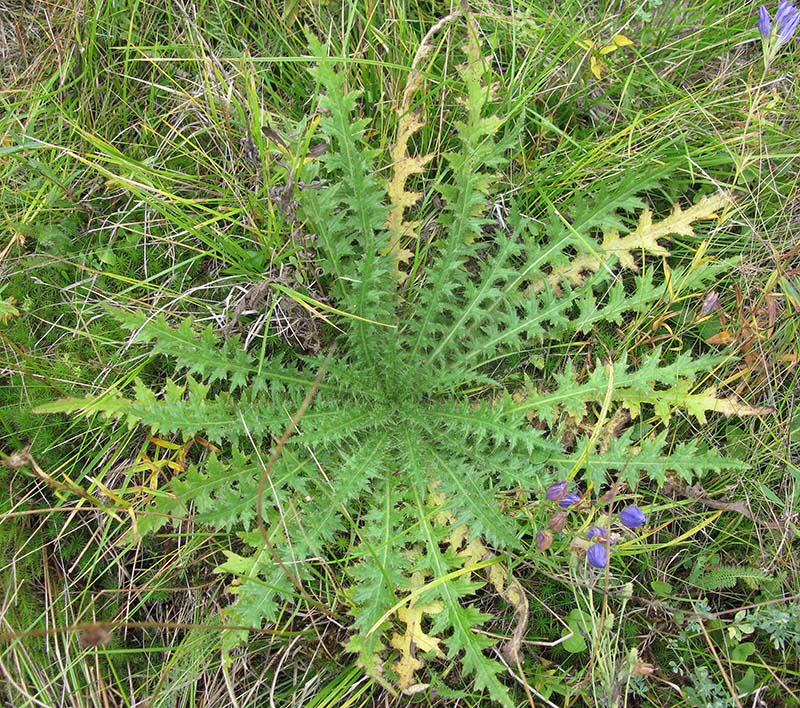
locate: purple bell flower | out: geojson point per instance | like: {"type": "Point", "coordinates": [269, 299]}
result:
{"type": "Point", "coordinates": [764, 22]}
{"type": "Point", "coordinates": [710, 303]}
{"type": "Point", "coordinates": [597, 555]}
{"type": "Point", "coordinates": [787, 19]}
{"type": "Point", "coordinates": [569, 500]}
{"type": "Point", "coordinates": [596, 532]}
{"type": "Point", "coordinates": [557, 490]}
{"type": "Point", "coordinates": [632, 516]}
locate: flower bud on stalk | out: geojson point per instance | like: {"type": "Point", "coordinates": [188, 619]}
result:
{"type": "Point", "coordinates": [558, 521]}
{"type": "Point", "coordinates": [544, 539]}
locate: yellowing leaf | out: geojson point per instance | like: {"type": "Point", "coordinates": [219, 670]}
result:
{"type": "Point", "coordinates": [645, 238]}
{"type": "Point", "coordinates": [7, 310]}
{"type": "Point", "coordinates": [403, 165]}
{"type": "Point", "coordinates": [696, 404]}
{"type": "Point", "coordinates": [621, 40]}
{"type": "Point", "coordinates": [414, 639]}
{"type": "Point", "coordinates": [699, 404]}
{"type": "Point", "coordinates": [159, 442]}
{"type": "Point", "coordinates": [596, 66]}
{"type": "Point", "coordinates": [642, 240]}
{"type": "Point", "coordinates": [723, 337]}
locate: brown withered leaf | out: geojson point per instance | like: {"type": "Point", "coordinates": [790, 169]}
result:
{"type": "Point", "coordinates": [94, 636]}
